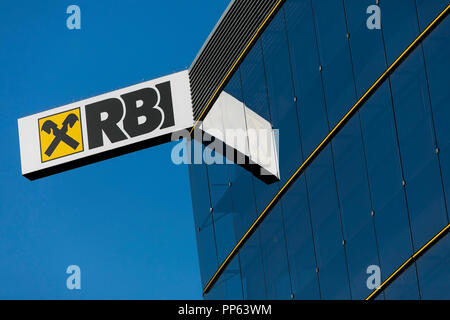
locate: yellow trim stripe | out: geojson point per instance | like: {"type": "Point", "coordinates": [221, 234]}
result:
{"type": "Point", "coordinates": [325, 141]}
{"type": "Point", "coordinates": [238, 60]}
{"type": "Point", "coordinates": [408, 262]}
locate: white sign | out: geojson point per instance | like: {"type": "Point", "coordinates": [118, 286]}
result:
{"type": "Point", "coordinates": [105, 126]}
{"type": "Point", "coordinates": [243, 130]}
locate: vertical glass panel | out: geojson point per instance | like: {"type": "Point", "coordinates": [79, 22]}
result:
{"type": "Point", "coordinates": [216, 292]}
{"type": "Point", "coordinates": [379, 136]}
{"type": "Point", "coordinates": [206, 243]}
{"type": "Point", "coordinates": [306, 74]}
{"type": "Point", "coordinates": [428, 10]}
{"type": "Point", "coordinates": [414, 122]}
{"type": "Point", "coordinates": [399, 29]}
{"type": "Point", "coordinates": [222, 206]}
{"type": "Point", "coordinates": [254, 88]}
{"type": "Point", "coordinates": [207, 251]}
{"type": "Point", "coordinates": [404, 287]}
{"type": "Point", "coordinates": [234, 87]}
{"type": "Point", "coordinates": [253, 280]}
{"type": "Point", "coordinates": [334, 57]}
{"type": "Point", "coordinates": [327, 230]}
{"type": "Point", "coordinates": [388, 196]}
{"type": "Point", "coordinates": [355, 205]}
{"type": "Point", "coordinates": [434, 266]}
{"type": "Point", "coordinates": [243, 199]}
{"type": "Point", "coordinates": [313, 120]}
{"type": "Point", "coordinates": [366, 45]}
{"type": "Point", "coordinates": [352, 185]}
{"type": "Point", "coordinates": [275, 256]}
{"type": "Point", "coordinates": [300, 245]}
{"type": "Point", "coordinates": [198, 178]}
{"type": "Point", "coordinates": [252, 269]}
{"type": "Point", "coordinates": [436, 48]}
{"type": "Point", "coordinates": [217, 172]}
{"type": "Point", "coordinates": [434, 271]}
{"type": "Point", "coordinates": [223, 214]}
{"type": "Point", "coordinates": [230, 281]}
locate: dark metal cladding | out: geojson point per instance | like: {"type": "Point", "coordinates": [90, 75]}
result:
{"type": "Point", "coordinates": [227, 41]}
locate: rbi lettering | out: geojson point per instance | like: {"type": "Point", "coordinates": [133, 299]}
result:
{"type": "Point", "coordinates": [145, 110]}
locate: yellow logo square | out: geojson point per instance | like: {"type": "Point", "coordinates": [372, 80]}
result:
{"type": "Point", "coordinates": [60, 135]}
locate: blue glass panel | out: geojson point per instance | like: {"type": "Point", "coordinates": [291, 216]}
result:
{"type": "Point", "coordinates": [306, 74]}
{"type": "Point", "coordinates": [234, 87]}
{"type": "Point", "coordinates": [254, 88]}
{"type": "Point", "coordinates": [243, 199]}
{"type": "Point", "coordinates": [334, 58]}
{"type": "Point", "coordinates": [327, 230]}
{"type": "Point", "coordinates": [414, 122]}
{"type": "Point", "coordinates": [366, 45]}
{"type": "Point", "coordinates": [433, 267]}
{"type": "Point", "coordinates": [216, 293]}
{"type": "Point", "coordinates": [436, 48]}
{"type": "Point", "coordinates": [206, 243]}
{"type": "Point", "coordinates": [352, 185]}
{"type": "Point", "coordinates": [388, 196]}
{"type": "Point", "coordinates": [428, 10]}
{"type": "Point", "coordinates": [222, 205]}
{"type": "Point", "coordinates": [404, 287]}
{"type": "Point", "coordinates": [223, 220]}
{"type": "Point", "coordinates": [207, 251]}
{"type": "Point", "coordinates": [198, 178]}
{"type": "Point", "coordinates": [250, 255]}
{"type": "Point", "coordinates": [399, 29]}
{"type": "Point", "coordinates": [355, 205]}
{"type": "Point", "coordinates": [252, 269]}
{"type": "Point", "coordinates": [381, 156]}
{"type": "Point", "coordinates": [314, 126]}
{"type": "Point", "coordinates": [274, 254]}
{"type": "Point", "coordinates": [300, 245]}
{"type": "Point", "coordinates": [230, 281]}
{"type": "Point", "coordinates": [434, 271]}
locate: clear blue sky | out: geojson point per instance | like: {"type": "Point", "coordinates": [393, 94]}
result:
{"type": "Point", "coordinates": [127, 222]}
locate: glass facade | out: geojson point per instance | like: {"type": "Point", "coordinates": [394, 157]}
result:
{"type": "Point", "coordinates": [375, 195]}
